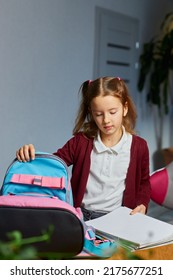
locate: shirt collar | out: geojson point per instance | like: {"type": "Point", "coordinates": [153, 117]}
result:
{"type": "Point", "coordinates": [100, 147]}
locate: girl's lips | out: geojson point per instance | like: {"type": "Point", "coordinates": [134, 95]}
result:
{"type": "Point", "coordinates": [107, 127]}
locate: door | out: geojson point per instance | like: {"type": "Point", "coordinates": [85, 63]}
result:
{"type": "Point", "coordinates": [116, 47]}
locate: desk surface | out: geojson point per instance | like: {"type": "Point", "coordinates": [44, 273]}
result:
{"type": "Point", "coordinates": [158, 253]}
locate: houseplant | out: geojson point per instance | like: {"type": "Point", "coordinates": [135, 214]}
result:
{"type": "Point", "coordinates": [155, 74]}
{"type": "Point", "coordinates": [156, 63]}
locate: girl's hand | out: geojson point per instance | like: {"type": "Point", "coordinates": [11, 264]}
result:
{"type": "Point", "coordinates": [26, 153]}
{"type": "Point", "coordinates": [139, 209]}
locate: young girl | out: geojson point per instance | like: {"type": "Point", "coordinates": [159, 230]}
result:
{"type": "Point", "coordinates": [110, 163]}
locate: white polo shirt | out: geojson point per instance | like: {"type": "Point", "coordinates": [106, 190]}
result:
{"type": "Point", "coordinates": [106, 181]}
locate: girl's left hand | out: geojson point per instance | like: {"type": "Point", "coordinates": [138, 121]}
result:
{"type": "Point", "coordinates": [139, 209]}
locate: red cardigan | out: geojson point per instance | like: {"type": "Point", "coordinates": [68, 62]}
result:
{"type": "Point", "coordinates": [77, 152]}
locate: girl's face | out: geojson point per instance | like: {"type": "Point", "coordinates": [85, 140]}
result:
{"type": "Point", "coordinates": [108, 112]}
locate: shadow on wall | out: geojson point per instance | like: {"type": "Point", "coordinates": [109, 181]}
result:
{"type": "Point", "coordinates": [162, 157]}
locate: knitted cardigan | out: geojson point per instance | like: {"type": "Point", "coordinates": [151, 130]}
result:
{"type": "Point", "coordinates": [77, 152]}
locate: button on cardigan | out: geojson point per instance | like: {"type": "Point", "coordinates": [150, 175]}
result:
{"type": "Point", "coordinates": [77, 152]}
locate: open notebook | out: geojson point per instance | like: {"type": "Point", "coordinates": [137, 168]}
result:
{"type": "Point", "coordinates": [133, 231]}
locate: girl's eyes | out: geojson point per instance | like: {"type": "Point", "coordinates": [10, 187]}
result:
{"type": "Point", "coordinates": [101, 114]}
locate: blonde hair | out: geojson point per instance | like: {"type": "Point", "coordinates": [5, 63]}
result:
{"type": "Point", "coordinates": [102, 87]}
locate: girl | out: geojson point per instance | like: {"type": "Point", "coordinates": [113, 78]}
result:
{"type": "Point", "coordinates": [110, 163]}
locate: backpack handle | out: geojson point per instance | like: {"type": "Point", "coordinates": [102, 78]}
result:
{"type": "Point", "coordinates": [36, 180]}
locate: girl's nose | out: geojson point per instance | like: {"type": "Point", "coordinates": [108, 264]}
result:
{"type": "Point", "coordinates": [106, 119]}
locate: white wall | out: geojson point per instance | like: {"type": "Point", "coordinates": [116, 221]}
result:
{"type": "Point", "coordinates": [46, 52]}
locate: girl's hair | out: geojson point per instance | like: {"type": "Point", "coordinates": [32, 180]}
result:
{"type": "Point", "coordinates": [102, 87]}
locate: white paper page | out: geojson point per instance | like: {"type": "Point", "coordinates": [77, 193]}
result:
{"type": "Point", "coordinates": [137, 228]}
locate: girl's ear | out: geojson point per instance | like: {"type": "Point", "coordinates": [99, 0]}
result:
{"type": "Point", "coordinates": [125, 109]}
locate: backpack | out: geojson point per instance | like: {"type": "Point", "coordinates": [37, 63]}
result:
{"type": "Point", "coordinates": [36, 195]}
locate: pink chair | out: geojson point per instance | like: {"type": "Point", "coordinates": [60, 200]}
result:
{"type": "Point", "coordinates": [162, 186]}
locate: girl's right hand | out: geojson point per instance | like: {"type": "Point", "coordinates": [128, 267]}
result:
{"type": "Point", "coordinates": [26, 153]}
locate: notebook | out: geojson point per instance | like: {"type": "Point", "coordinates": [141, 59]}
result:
{"type": "Point", "coordinates": [134, 232]}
